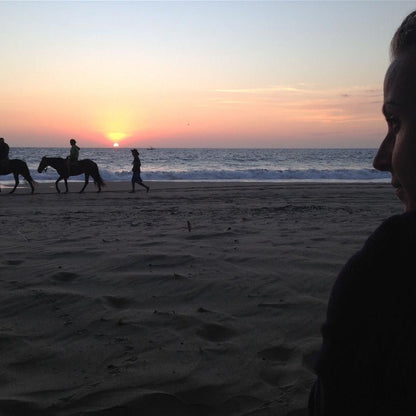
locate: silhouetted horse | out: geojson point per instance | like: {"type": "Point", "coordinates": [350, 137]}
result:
{"type": "Point", "coordinates": [86, 166]}
{"type": "Point", "coordinates": [17, 167]}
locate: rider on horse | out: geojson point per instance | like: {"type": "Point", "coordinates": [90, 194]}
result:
{"type": "Point", "coordinates": [72, 159]}
{"type": "Point", "coordinates": [4, 153]}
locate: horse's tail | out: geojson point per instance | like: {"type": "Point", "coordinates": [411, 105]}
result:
{"type": "Point", "coordinates": [98, 180]}
{"type": "Point", "coordinates": [26, 174]}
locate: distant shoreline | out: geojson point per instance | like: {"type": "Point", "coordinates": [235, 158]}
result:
{"type": "Point", "coordinates": [197, 148]}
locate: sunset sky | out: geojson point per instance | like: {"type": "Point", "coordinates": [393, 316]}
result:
{"type": "Point", "coordinates": [195, 73]}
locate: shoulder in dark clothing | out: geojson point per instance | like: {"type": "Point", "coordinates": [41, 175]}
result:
{"type": "Point", "coordinates": [367, 363]}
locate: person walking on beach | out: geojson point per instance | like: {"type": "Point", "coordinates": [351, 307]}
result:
{"type": "Point", "coordinates": [136, 178]}
{"type": "Point", "coordinates": [72, 159]}
{"type": "Point", "coordinates": [367, 361]}
{"type": "Point", "coordinates": [4, 153]}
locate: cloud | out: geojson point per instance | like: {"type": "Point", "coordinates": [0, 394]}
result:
{"type": "Point", "coordinates": [305, 89]}
{"type": "Point", "coordinates": [306, 102]}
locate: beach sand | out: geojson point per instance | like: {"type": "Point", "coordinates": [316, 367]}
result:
{"type": "Point", "coordinates": [194, 299]}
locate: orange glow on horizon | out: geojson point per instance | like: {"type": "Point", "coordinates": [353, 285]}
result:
{"type": "Point", "coordinates": [278, 116]}
{"type": "Point", "coordinates": [116, 136]}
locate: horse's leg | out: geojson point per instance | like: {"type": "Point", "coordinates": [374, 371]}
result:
{"type": "Point", "coordinates": [56, 185]}
{"type": "Point", "coordinates": [87, 177]}
{"type": "Point", "coordinates": [16, 182]}
{"type": "Point", "coordinates": [66, 185]}
{"type": "Point", "coordinates": [30, 181]}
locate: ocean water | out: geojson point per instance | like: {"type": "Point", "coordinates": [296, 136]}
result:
{"type": "Point", "coordinates": [271, 165]}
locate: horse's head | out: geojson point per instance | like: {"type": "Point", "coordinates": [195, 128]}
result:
{"type": "Point", "coordinates": [43, 165]}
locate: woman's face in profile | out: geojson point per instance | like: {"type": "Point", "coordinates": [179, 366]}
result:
{"type": "Point", "coordinates": [397, 152]}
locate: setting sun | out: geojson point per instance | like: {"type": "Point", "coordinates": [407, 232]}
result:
{"type": "Point", "coordinates": [116, 137]}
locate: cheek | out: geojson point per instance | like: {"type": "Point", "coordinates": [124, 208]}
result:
{"type": "Point", "coordinates": [404, 158]}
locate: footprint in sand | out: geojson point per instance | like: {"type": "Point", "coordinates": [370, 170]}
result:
{"type": "Point", "coordinates": [64, 276]}
{"type": "Point", "coordinates": [215, 332]}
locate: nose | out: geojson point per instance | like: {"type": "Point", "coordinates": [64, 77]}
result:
{"type": "Point", "coordinates": [382, 160]}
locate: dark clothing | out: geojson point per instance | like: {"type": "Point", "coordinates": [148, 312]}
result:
{"type": "Point", "coordinates": [136, 170]}
{"type": "Point", "coordinates": [367, 362]}
{"type": "Point", "coordinates": [4, 151]}
{"type": "Point", "coordinates": [74, 153]}
{"type": "Point", "coordinates": [72, 159]}
{"type": "Point", "coordinates": [4, 155]}
{"type": "Point", "coordinates": [136, 164]}
{"type": "Point", "coordinates": [136, 177]}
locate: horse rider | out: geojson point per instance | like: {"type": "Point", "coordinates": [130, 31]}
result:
{"type": "Point", "coordinates": [4, 153]}
{"type": "Point", "coordinates": [72, 159]}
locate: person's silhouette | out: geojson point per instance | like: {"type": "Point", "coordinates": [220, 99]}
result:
{"type": "Point", "coordinates": [367, 363]}
{"type": "Point", "coordinates": [136, 178]}
{"type": "Point", "coordinates": [4, 153]}
{"type": "Point", "coordinates": [72, 159]}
